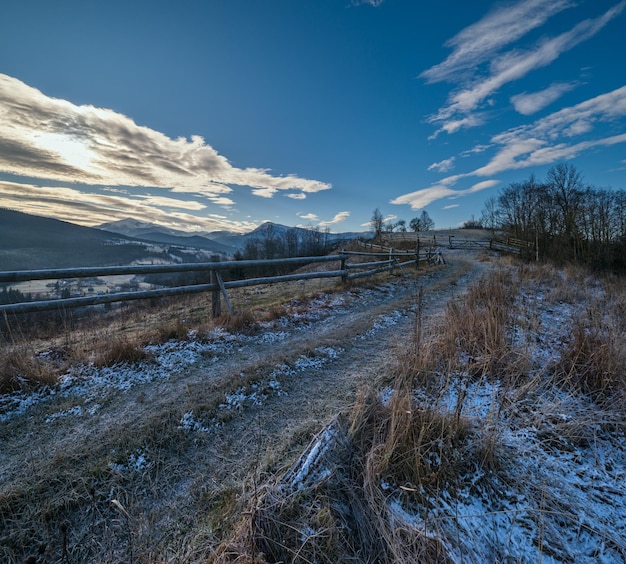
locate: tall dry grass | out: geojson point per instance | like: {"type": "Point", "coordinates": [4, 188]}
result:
{"type": "Point", "coordinates": [34, 353]}
{"type": "Point", "coordinates": [340, 512]}
{"type": "Point", "coordinates": [419, 446]}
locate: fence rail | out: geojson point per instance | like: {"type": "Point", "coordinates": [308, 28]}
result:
{"type": "Point", "coordinates": [446, 239]}
{"type": "Point", "coordinates": [217, 286]}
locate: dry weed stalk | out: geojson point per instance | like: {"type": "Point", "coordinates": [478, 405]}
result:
{"type": "Point", "coordinates": [594, 361]}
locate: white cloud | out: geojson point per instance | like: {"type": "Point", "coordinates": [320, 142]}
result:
{"type": "Point", "coordinates": [480, 41]}
{"type": "Point", "coordinates": [451, 207]}
{"type": "Point", "coordinates": [264, 192]}
{"type": "Point", "coordinates": [163, 202]}
{"type": "Point", "coordinates": [297, 196]}
{"type": "Point", "coordinates": [339, 218]}
{"type": "Point", "coordinates": [528, 104]}
{"type": "Point", "coordinates": [543, 142]}
{"type": "Point", "coordinates": [73, 205]}
{"type": "Point", "coordinates": [422, 198]}
{"type": "Point", "coordinates": [443, 166]}
{"type": "Point", "coordinates": [374, 3]}
{"type": "Point", "coordinates": [510, 66]}
{"type": "Point", "coordinates": [222, 201]}
{"type": "Point", "coordinates": [453, 125]}
{"type": "Point", "coordinates": [308, 216]}
{"type": "Point", "coordinates": [475, 150]}
{"type": "Point", "coordinates": [48, 138]}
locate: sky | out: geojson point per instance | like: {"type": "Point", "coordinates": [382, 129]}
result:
{"type": "Point", "coordinates": [208, 115]}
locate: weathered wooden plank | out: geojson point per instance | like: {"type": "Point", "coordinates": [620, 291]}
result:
{"type": "Point", "coordinates": [52, 274]}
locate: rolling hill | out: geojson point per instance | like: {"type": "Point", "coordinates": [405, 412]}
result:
{"type": "Point", "coordinates": [29, 242]}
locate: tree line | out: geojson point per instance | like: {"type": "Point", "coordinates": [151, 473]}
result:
{"type": "Point", "coordinates": [274, 244]}
{"type": "Point", "coordinates": [417, 224]}
{"type": "Point", "coordinates": [568, 219]}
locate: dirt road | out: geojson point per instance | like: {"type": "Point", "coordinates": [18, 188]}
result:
{"type": "Point", "coordinates": [146, 461]}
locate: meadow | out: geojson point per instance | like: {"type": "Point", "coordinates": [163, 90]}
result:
{"type": "Point", "coordinates": [462, 413]}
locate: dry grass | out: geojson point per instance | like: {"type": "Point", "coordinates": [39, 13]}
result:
{"type": "Point", "coordinates": [314, 515]}
{"type": "Point", "coordinates": [120, 350]}
{"type": "Point", "coordinates": [334, 505]}
{"type": "Point", "coordinates": [34, 355]}
{"type": "Point", "coordinates": [21, 369]}
{"type": "Point", "coordinates": [594, 360]}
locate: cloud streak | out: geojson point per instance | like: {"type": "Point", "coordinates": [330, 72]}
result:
{"type": "Point", "coordinates": [480, 41]}
{"type": "Point", "coordinates": [339, 218]}
{"type": "Point", "coordinates": [544, 142]}
{"type": "Point", "coordinates": [53, 139]}
{"type": "Point", "coordinates": [73, 205]}
{"type": "Point", "coordinates": [492, 33]}
{"type": "Point", "coordinates": [422, 198]}
{"type": "Point", "coordinates": [443, 166]}
{"type": "Point", "coordinates": [528, 104]}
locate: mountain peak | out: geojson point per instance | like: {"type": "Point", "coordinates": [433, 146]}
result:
{"type": "Point", "coordinates": [127, 223]}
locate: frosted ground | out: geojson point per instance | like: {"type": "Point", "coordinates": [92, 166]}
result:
{"type": "Point", "coordinates": [559, 494]}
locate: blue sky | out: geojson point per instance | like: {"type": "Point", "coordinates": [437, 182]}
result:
{"type": "Point", "coordinates": [222, 114]}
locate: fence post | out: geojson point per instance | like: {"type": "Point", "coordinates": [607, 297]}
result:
{"type": "Point", "coordinates": [391, 258]}
{"type": "Point", "coordinates": [344, 276]}
{"type": "Point", "coordinates": [216, 304]}
{"type": "Point", "coordinates": [417, 252]}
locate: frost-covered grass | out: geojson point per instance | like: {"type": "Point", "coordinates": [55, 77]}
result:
{"type": "Point", "coordinates": [500, 439]}
{"type": "Point", "coordinates": [104, 445]}
{"type": "Point", "coordinates": [544, 451]}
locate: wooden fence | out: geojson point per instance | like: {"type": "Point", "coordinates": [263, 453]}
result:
{"type": "Point", "coordinates": [216, 285]}
{"type": "Point", "coordinates": [446, 239]}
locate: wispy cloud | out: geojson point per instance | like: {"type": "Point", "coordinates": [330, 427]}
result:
{"type": "Point", "coordinates": [374, 3]}
{"type": "Point", "coordinates": [423, 198]}
{"type": "Point", "coordinates": [73, 205]}
{"type": "Point", "coordinates": [480, 41]}
{"type": "Point", "coordinates": [339, 218]}
{"type": "Point", "coordinates": [544, 142]}
{"type": "Point", "coordinates": [53, 139]}
{"type": "Point", "coordinates": [443, 166]}
{"type": "Point", "coordinates": [528, 104]}
{"type": "Point", "coordinates": [451, 207]}
{"type": "Point", "coordinates": [308, 216]}
{"type": "Point", "coordinates": [499, 29]}
{"type": "Point", "coordinates": [549, 139]}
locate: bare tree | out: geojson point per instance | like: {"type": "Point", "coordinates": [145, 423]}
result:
{"type": "Point", "coordinates": [490, 216]}
{"type": "Point", "coordinates": [422, 223]}
{"type": "Point", "coordinates": [377, 222]}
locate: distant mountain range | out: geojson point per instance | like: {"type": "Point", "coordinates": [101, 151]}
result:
{"type": "Point", "coordinates": [155, 233]}
{"type": "Point", "coordinates": [225, 242]}
{"type": "Point", "coordinates": [29, 242]}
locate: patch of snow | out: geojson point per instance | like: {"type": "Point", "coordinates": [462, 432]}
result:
{"type": "Point", "coordinates": [276, 337]}
{"type": "Point", "coordinates": [77, 411]}
{"type": "Point", "coordinates": [557, 492]}
{"type": "Point", "coordinates": [311, 469]}
{"type": "Point", "coordinates": [384, 322]}
{"type": "Point", "coordinates": [386, 394]}
{"type": "Point", "coordinates": [189, 423]}
{"type": "Point", "coordinates": [137, 462]}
